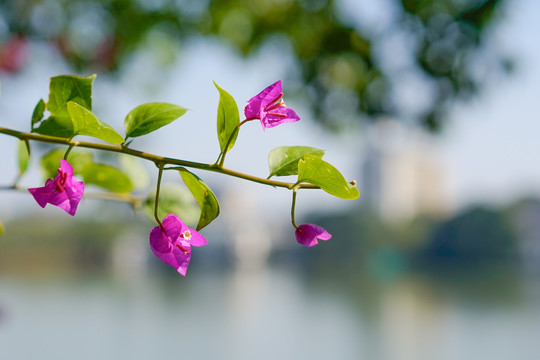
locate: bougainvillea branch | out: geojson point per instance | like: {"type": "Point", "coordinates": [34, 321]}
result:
{"type": "Point", "coordinates": [70, 109]}
{"type": "Point", "coordinates": [151, 157]}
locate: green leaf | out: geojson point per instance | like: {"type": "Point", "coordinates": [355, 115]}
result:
{"type": "Point", "coordinates": [227, 119]}
{"type": "Point", "coordinates": [23, 157]}
{"type": "Point", "coordinates": [66, 88]}
{"type": "Point", "coordinates": [62, 89]}
{"type": "Point", "coordinates": [149, 117]}
{"type": "Point", "coordinates": [78, 159]}
{"type": "Point", "coordinates": [2, 229]}
{"type": "Point", "coordinates": [136, 172]}
{"type": "Point", "coordinates": [283, 160]}
{"type": "Point", "coordinates": [174, 199]}
{"type": "Point", "coordinates": [37, 115]}
{"type": "Point", "coordinates": [107, 177]}
{"type": "Point", "coordinates": [205, 197]}
{"type": "Point", "coordinates": [60, 126]}
{"type": "Point", "coordinates": [86, 122]}
{"type": "Point", "coordinates": [314, 170]}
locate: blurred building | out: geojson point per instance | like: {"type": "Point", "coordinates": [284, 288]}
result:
{"type": "Point", "coordinates": [403, 173]}
{"type": "Point", "coordinates": [247, 228]}
{"type": "Point", "coordinates": [525, 216]}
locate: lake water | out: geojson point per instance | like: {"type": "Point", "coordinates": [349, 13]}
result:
{"type": "Point", "coordinates": [269, 313]}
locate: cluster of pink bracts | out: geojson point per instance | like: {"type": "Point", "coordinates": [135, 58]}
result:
{"type": "Point", "coordinates": [171, 241]}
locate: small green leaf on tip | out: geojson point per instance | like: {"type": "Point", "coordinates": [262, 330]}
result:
{"type": "Point", "coordinates": [283, 160]}
{"type": "Point", "coordinates": [208, 202]}
{"type": "Point", "coordinates": [39, 110]}
{"type": "Point", "coordinates": [227, 119]}
{"type": "Point", "coordinates": [149, 117]}
{"type": "Point", "coordinates": [314, 170]}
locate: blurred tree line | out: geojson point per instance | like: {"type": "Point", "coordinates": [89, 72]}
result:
{"type": "Point", "coordinates": [351, 67]}
{"type": "Point", "coordinates": [475, 241]}
{"type": "Point", "coordinates": [478, 238]}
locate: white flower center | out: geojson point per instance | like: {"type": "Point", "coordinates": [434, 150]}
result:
{"type": "Point", "coordinates": [186, 235]}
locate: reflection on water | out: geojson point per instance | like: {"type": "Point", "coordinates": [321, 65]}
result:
{"type": "Point", "coordinates": [232, 316]}
{"type": "Point", "coordinates": [267, 314]}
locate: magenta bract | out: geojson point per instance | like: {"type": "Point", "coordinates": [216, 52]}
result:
{"type": "Point", "coordinates": [269, 107]}
{"type": "Point", "coordinates": [64, 191]}
{"type": "Point", "coordinates": [172, 241]}
{"type": "Point", "coordinates": [308, 234]}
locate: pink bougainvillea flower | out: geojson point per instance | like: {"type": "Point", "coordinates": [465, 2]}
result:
{"type": "Point", "coordinates": [64, 191]}
{"type": "Point", "coordinates": [171, 242]}
{"type": "Point", "coordinates": [308, 234]}
{"type": "Point", "coordinates": [269, 107]}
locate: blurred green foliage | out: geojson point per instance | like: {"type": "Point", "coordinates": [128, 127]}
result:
{"type": "Point", "coordinates": [470, 245]}
{"type": "Point", "coordinates": [341, 63]}
{"type": "Point", "coordinates": [471, 239]}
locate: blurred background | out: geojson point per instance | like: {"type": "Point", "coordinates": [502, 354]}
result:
{"type": "Point", "coordinates": [431, 105]}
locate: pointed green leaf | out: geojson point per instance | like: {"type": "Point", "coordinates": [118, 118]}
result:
{"type": "Point", "coordinates": [227, 119]}
{"type": "Point", "coordinates": [23, 157]}
{"type": "Point", "coordinates": [2, 229]}
{"type": "Point", "coordinates": [149, 117]}
{"type": "Point", "coordinates": [107, 177]}
{"type": "Point", "coordinates": [134, 169]}
{"type": "Point", "coordinates": [60, 126]}
{"type": "Point", "coordinates": [86, 122]}
{"type": "Point", "coordinates": [66, 88]}
{"type": "Point", "coordinates": [62, 89]}
{"type": "Point", "coordinates": [174, 199]}
{"type": "Point", "coordinates": [314, 170]}
{"type": "Point", "coordinates": [78, 159]}
{"type": "Point", "coordinates": [205, 197]}
{"type": "Point", "coordinates": [283, 160]}
{"type": "Point", "coordinates": [37, 115]}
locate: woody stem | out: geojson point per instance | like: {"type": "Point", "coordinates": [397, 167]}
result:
{"type": "Point", "coordinates": [157, 159]}
{"type": "Point", "coordinates": [221, 157]}
{"type": "Point", "coordinates": [66, 154]}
